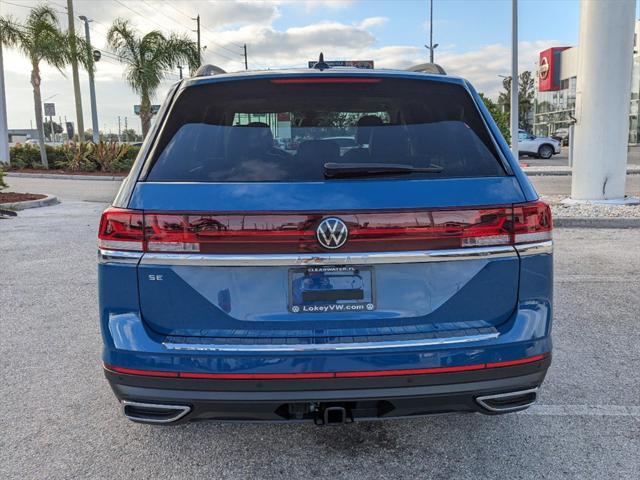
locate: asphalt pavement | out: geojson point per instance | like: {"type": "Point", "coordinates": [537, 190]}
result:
{"type": "Point", "coordinates": [60, 419]}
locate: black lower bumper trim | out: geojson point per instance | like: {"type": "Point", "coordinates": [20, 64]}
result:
{"type": "Point", "coordinates": [308, 400]}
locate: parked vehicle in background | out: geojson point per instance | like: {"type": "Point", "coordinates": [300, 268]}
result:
{"type": "Point", "coordinates": [562, 136]}
{"type": "Point", "coordinates": [344, 143]}
{"type": "Point", "coordinates": [539, 147]}
{"type": "Point", "coordinates": [410, 275]}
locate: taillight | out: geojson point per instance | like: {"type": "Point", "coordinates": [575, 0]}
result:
{"type": "Point", "coordinates": [256, 233]}
{"type": "Point", "coordinates": [532, 222]}
{"type": "Point", "coordinates": [121, 229]}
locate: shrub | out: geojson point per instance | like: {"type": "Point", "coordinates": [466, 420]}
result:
{"type": "Point", "coordinates": [77, 156]}
{"type": "Point", "coordinates": [2, 184]}
{"type": "Point", "coordinates": [25, 156]}
{"type": "Point", "coordinates": [109, 155]}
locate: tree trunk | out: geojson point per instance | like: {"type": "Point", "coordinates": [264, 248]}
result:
{"type": "Point", "coordinates": [74, 70]}
{"type": "Point", "coordinates": [145, 114]}
{"type": "Point", "coordinates": [37, 103]}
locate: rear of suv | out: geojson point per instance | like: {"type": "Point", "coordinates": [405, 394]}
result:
{"type": "Point", "coordinates": [245, 279]}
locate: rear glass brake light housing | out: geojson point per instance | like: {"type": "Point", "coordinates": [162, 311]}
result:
{"type": "Point", "coordinates": [256, 233]}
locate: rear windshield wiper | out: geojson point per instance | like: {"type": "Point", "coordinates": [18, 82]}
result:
{"type": "Point", "coordinates": [335, 170]}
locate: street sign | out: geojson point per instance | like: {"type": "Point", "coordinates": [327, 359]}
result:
{"type": "Point", "coordinates": [154, 109]}
{"type": "Point", "coordinates": [367, 64]}
{"type": "Point", "coordinates": [49, 109]}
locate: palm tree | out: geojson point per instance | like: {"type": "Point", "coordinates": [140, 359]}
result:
{"type": "Point", "coordinates": [147, 60]}
{"type": "Point", "coordinates": [40, 39]}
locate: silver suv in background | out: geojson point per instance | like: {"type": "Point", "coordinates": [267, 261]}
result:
{"type": "Point", "coordinates": [539, 147]}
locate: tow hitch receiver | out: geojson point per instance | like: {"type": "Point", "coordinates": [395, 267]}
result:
{"type": "Point", "coordinates": [332, 415]}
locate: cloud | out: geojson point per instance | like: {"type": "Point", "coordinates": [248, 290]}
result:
{"type": "Point", "coordinates": [227, 26]}
{"type": "Point", "coordinates": [295, 46]}
{"type": "Point", "coordinates": [372, 22]}
{"type": "Point", "coordinates": [482, 66]}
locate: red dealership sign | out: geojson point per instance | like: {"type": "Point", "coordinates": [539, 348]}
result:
{"type": "Point", "coordinates": [549, 69]}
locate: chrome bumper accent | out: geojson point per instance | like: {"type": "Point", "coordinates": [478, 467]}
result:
{"type": "Point", "coordinates": [114, 256]}
{"type": "Point", "coordinates": [537, 248]}
{"type": "Point", "coordinates": [329, 346]}
{"type": "Point", "coordinates": [302, 259]}
{"type": "Point", "coordinates": [483, 401]}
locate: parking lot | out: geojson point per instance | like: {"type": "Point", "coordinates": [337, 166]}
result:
{"type": "Point", "coordinates": [60, 420]}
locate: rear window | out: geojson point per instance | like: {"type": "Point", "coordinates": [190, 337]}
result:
{"type": "Point", "coordinates": [265, 131]}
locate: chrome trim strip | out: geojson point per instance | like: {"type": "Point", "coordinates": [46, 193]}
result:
{"type": "Point", "coordinates": [115, 256]}
{"type": "Point", "coordinates": [302, 259]}
{"type": "Point", "coordinates": [328, 346]}
{"type": "Point", "coordinates": [182, 410]}
{"type": "Point", "coordinates": [536, 248]}
{"type": "Point", "coordinates": [482, 400]}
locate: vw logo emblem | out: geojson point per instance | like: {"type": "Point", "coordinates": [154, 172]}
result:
{"type": "Point", "coordinates": [332, 233]}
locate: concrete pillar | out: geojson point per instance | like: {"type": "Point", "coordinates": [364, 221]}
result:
{"type": "Point", "coordinates": [605, 60]}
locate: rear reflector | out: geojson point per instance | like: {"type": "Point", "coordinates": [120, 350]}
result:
{"type": "Point", "coordinates": [256, 233]}
{"type": "Point", "coordinates": [318, 375]}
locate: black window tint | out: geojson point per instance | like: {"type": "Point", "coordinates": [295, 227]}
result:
{"type": "Point", "coordinates": [257, 130]}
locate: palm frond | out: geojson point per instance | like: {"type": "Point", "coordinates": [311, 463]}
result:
{"type": "Point", "coordinates": [148, 58]}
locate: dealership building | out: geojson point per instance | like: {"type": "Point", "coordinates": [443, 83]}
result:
{"type": "Point", "coordinates": [556, 90]}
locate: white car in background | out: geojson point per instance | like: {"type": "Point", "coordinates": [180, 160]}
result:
{"type": "Point", "coordinates": [539, 147]}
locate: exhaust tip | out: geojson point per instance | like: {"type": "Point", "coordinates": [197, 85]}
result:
{"type": "Point", "coordinates": [153, 412]}
{"type": "Point", "coordinates": [508, 402]}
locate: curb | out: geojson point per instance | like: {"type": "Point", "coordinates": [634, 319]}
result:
{"type": "Point", "coordinates": [42, 202]}
{"type": "Point", "coordinates": [66, 176]}
{"type": "Point", "coordinates": [596, 222]}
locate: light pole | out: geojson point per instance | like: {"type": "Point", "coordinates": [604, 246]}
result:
{"type": "Point", "coordinates": [4, 132]}
{"type": "Point", "coordinates": [431, 47]}
{"type": "Point", "coordinates": [92, 87]}
{"type": "Point", "coordinates": [514, 79]}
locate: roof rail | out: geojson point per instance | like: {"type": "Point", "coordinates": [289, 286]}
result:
{"type": "Point", "coordinates": [207, 70]}
{"type": "Point", "coordinates": [428, 68]}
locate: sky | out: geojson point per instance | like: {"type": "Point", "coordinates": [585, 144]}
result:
{"type": "Point", "coordinates": [474, 38]}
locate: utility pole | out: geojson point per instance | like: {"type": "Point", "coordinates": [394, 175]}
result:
{"type": "Point", "coordinates": [246, 64]}
{"type": "Point", "coordinates": [4, 131]}
{"type": "Point", "coordinates": [74, 69]}
{"type": "Point", "coordinates": [119, 131]}
{"type": "Point", "coordinates": [92, 86]}
{"type": "Point", "coordinates": [514, 79]}
{"type": "Point", "coordinates": [197, 19]}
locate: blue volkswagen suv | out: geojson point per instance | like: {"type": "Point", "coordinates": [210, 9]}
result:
{"type": "Point", "coordinates": [251, 268]}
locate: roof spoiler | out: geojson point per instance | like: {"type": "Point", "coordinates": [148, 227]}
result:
{"type": "Point", "coordinates": [207, 70]}
{"type": "Point", "coordinates": [432, 68]}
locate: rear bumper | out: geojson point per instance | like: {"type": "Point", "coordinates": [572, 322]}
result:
{"type": "Point", "coordinates": [280, 400]}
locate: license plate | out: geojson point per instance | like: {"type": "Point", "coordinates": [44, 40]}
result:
{"type": "Point", "coordinates": [331, 289]}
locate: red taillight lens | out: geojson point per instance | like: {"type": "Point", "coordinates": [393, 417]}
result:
{"type": "Point", "coordinates": [121, 229]}
{"type": "Point", "coordinates": [532, 222]}
{"type": "Point", "coordinates": [296, 233]}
